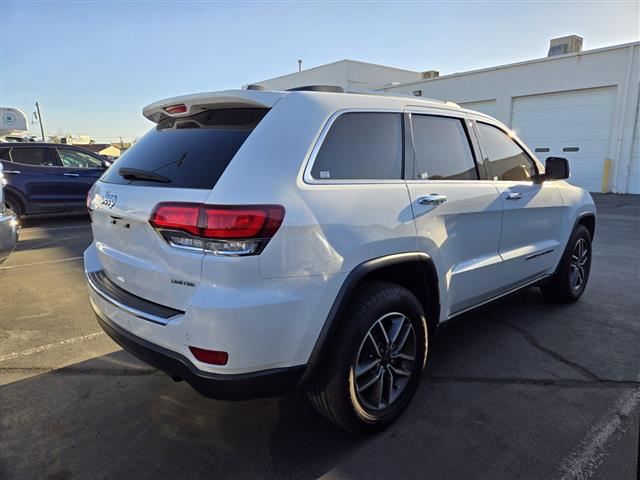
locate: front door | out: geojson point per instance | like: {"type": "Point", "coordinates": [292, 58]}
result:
{"type": "Point", "coordinates": [457, 211]}
{"type": "Point", "coordinates": [81, 171]}
{"type": "Point", "coordinates": [529, 244]}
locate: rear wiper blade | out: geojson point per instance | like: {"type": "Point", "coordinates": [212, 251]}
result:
{"type": "Point", "coordinates": [145, 175]}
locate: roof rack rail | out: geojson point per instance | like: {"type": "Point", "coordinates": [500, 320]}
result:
{"type": "Point", "coordinates": [317, 88]}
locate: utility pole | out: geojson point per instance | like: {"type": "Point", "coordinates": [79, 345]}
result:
{"type": "Point", "coordinates": [40, 120]}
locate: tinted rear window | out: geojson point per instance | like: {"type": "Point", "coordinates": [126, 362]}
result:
{"type": "Point", "coordinates": [31, 156]}
{"type": "Point", "coordinates": [442, 150]}
{"type": "Point", "coordinates": [362, 146]}
{"type": "Point", "coordinates": [192, 152]}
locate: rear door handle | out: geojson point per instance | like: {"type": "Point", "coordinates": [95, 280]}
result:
{"type": "Point", "coordinates": [71, 174]}
{"type": "Point", "coordinates": [432, 199]}
{"type": "Point", "coordinates": [513, 196]}
{"type": "Point", "coordinates": [11, 172]}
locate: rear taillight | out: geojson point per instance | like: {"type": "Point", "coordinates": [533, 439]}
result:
{"type": "Point", "coordinates": [177, 217]}
{"type": "Point", "coordinates": [219, 229]}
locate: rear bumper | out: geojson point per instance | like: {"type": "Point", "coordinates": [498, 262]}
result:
{"type": "Point", "coordinates": [244, 386]}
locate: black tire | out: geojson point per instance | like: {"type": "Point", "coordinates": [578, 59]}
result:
{"type": "Point", "coordinates": [12, 204]}
{"type": "Point", "coordinates": [334, 392]}
{"type": "Point", "coordinates": [571, 277]}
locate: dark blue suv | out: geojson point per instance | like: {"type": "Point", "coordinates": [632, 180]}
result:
{"type": "Point", "coordinates": [48, 177]}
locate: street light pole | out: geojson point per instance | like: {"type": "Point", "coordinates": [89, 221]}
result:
{"type": "Point", "coordinates": [40, 120]}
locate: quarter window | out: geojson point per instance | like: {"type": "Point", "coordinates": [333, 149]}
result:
{"type": "Point", "coordinates": [442, 150]}
{"type": "Point", "coordinates": [31, 156]}
{"type": "Point", "coordinates": [507, 161]}
{"type": "Point", "coordinates": [361, 145]}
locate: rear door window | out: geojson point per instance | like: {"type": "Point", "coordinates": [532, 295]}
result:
{"type": "Point", "coordinates": [507, 161]}
{"type": "Point", "coordinates": [442, 149]}
{"type": "Point", "coordinates": [361, 146]}
{"type": "Point", "coordinates": [38, 156]}
{"type": "Point", "coordinates": [192, 152]}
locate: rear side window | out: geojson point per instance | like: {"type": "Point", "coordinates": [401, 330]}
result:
{"type": "Point", "coordinates": [191, 152]}
{"type": "Point", "coordinates": [507, 161]}
{"type": "Point", "coordinates": [361, 146]}
{"type": "Point", "coordinates": [442, 150]}
{"type": "Point", "coordinates": [31, 156]}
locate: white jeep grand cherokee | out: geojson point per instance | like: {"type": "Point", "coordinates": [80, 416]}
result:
{"type": "Point", "coordinates": [258, 241]}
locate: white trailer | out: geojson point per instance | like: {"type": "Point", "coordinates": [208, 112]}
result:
{"type": "Point", "coordinates": [13, 123]}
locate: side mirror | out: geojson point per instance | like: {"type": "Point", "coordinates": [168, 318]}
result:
{"type": "Point", "coordinates": [556, 168]}
{"type": "Point", "coordinates": [106, 163]}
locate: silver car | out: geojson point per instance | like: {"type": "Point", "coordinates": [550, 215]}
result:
{"type": "Point", "coordinates": [8, 225]}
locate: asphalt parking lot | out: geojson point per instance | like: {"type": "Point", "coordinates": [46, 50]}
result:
{"type": "Point", "coordinates": [522, 389]}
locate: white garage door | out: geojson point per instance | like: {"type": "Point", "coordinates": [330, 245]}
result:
{"type": "Point", "coordinates": [485, 106]}
{"type": "Point", "coordinates": [634, 178]}
{"type": "Point", "coordinates": [575, 124]}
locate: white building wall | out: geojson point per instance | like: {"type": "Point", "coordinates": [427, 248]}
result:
{"type": "Point", "coordinates": [330, 74]}
{"type": "Point", "coordinates": [485, 106]}
{"type": "Point", "coordinates": [576, 124]}
{"type": "Point", "coordinates": [351, 75]}
{"type": "Point", "coordinates": [609, 67]}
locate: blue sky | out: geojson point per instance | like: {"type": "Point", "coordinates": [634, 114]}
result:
{"type": "Point", "coordinates": [92, 66]}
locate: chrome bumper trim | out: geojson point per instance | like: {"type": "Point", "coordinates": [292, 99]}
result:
{"type": "Point", "coordinates": [125, 308]}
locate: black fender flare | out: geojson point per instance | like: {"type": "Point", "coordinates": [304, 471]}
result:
{"type": "Point", "coordinates": [426, 267]}
{"type": "Point", "coordinates": [578, 221]}
{"type": "Point", "coordinates": [581, 217]}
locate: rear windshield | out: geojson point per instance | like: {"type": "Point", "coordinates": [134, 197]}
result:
{"type": "Point", "coordinates": [188, 152]}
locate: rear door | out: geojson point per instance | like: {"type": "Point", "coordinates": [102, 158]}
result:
{"type": "Point", "coordinates": [81, 170]}
{"type": "Point", "coordinates": [532, 211]}
{"type": "Point", "coordinates": [190, 154]}
{"type": "Point", "coordinates": [33, 174]}
{"type": "Point", "coordinates": [457, 211]}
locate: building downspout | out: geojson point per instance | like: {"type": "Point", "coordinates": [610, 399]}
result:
{"type": "Point", "coordinates": [633, 136]}
{"type": "Point", "coordinates": [625, 94]}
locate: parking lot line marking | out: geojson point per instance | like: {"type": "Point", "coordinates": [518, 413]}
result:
{"type": "Point", "coordinates": [583, 462]}
{"type": "Point", "coordinates": [47, 243]}
{"type": "Point", "coordinates": [40, 229]}
{"type": "Point", "coordinates": [36, 315]}
{"type": "Point", "coordinates": [610, 216]}
{"type": "Point", "coordinates": [9, 267]}
{"type": "Point", "coordinates": [49, 346]}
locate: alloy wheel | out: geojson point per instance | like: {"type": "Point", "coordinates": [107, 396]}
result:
{"type": "Point", "coordinates": [578, 265]}
{"type": "Point", "coordinates": [385, 361]}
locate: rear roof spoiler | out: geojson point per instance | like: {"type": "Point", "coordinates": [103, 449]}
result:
{"type": "Point", "coordinates": [198, 102]}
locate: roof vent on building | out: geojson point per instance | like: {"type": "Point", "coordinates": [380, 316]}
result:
{"type": "Point", "coordinates": [430, 74]}
{"type": "Point", "coordinates": [564, 45]}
